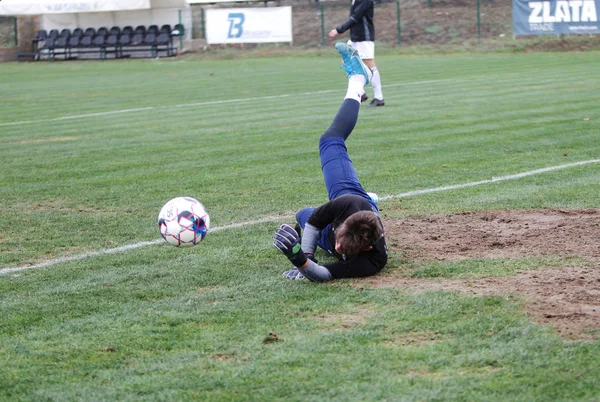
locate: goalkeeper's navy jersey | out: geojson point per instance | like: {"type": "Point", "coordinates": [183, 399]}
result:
{"type": "Point", "coordinates": [335, 213]}
{"type": "Point", "coordinates": [360, 22]}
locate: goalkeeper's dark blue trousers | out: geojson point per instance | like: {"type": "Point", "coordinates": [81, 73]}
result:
{"type": "Point", "coordinates": [338, 171]}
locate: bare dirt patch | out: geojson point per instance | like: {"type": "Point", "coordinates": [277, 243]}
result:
{"type": "Point", "coordinates": [566, 298]}
{"type": "Point", "coordinates": [357, 317]}
{"type": "Point", "coordinates": [414, 338]}
{"type": "Point", "coordinates": [499, 234]}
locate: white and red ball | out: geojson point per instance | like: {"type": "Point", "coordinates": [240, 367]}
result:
{"type": "Point", "coordinates": [183, 221]}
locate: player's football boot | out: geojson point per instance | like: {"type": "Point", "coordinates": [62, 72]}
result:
{"type": "Point", "coordinates": [364, 98]}
{"type": "Point", "coordinates": [352, 62]}
{"type": "Point", "coordinates": [377, 102]}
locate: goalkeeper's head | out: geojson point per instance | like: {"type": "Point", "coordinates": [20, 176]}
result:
{"type": "Point", "coordinates": [359, 232]}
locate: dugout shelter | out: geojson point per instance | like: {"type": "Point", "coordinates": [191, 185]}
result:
{"type": "Point", "coordinates": [67, 17]}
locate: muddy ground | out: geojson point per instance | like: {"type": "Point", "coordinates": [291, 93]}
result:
{"type": "Point", "coordinates": [567, 298]}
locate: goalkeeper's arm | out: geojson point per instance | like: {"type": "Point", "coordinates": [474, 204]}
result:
{"type": "Point", "coordinates": [287, 241]}
{"type": "Point", "coordinates": [315, 272]}
{"type": "Point", "coordinates": [310, 236]}
{"type": "Point", "coordinates": [311, 269]}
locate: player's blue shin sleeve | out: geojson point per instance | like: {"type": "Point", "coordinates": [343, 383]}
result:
{"type": "Point", "coordinates": [310, 237]}
{"type": "Point", "coordinates": [316, 272]}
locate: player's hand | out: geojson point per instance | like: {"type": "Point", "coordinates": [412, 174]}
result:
{"type": "Point", "coordinates": [333, 33]}
{"type": "Point", "coordinates": [288, 242]}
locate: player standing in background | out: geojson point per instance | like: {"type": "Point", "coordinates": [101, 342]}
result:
{"type": "Point", "coordinates": [362, 38]}
{"type": "Point", "coordinates": [348, 226]}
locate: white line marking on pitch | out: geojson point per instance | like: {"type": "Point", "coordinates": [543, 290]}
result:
{"type": "Point", "coordinates": [129, 247]}
{"type": "Point", "coordinates": [492, 180]}
{"type": "Point", "coordinates": [117, 250]}
{"type": "Point", "coordinates": [183, 105]}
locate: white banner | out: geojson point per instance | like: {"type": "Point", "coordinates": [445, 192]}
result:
{"type": "Point", "coordinates": [219, 1]}
{"type": "Point", "coordinates": [40, 7]}
{"type": "Point", "coordinates": [249, 25]}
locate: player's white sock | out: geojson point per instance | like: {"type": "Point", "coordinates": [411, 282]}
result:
{"type": "Point", "coordinates": [376, 82]}
{"type": "Point", "coordinates": [356, 87]}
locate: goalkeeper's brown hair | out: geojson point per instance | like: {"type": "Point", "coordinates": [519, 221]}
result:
{"type": "Point", "coordinates": [359, 232]}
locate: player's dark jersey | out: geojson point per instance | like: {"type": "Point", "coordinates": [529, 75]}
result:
{"type": "Point", "coordinates": [360, 22]}
{"type": "Point", "coordinates": [335, 213]}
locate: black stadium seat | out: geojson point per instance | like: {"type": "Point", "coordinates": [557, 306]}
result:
{"type": "Point", "coordinates": [41, 35]}
{"type": "Point", "coordinates": [165, 40]}
{"type": "Point", "coordinates": [60, 46]}
{"type": "Point", "coordinates": [37, 42]}
{"type": "Point", "coordinates": [85, 41]}
{"type": "Point", "coordinates": [47, 47]}
{"type": "Point", "coordinates": [150, 42]}
{"type": "Point", "coordinates": [124, 41]}
{"type": "Point", "coordinates": [72, 44]}
{"type": "Point", "coordinates": [102, 31]}
{"type": "Point", "coordinates": [61, 42]}
{"type": "Point", "coordinates": [100, 42]}
{"type": "Point", "coordinates": [112, 42]}
{"type": "Point", "coordinates": [140, 29]}
{"type": "Point", "coordinates": [137, 39]}
{"type": "Point", "coordinates": [150, 39]}
{"type": "Point", "coordinates": [48, 43]}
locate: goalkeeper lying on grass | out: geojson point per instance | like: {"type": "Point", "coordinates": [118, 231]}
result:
{"type": "Point", "coordinates": [348, 226]}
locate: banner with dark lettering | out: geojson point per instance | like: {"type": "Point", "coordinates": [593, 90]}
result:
{"type": "Point", "coordinates": [556, 17]}
{"type": "Point", "coordinates": [249, 25]}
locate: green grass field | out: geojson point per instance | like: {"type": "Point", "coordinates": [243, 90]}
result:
{"type": "Point", "coordinates": [90, 151]}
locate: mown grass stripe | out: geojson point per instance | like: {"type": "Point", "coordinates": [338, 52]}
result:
{"type": "Point", "coordinates": [130, 247]}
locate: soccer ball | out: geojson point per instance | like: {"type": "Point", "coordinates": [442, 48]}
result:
{"type": "Point", "coordinates": [183, 221]}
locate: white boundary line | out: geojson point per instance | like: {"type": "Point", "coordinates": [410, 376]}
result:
{"type": "Point", "coordinates": [122, 249]}
{"type": "Point", "coordinates": [184, 105]}
{"type": "Point", "coordinates": [492, 180]}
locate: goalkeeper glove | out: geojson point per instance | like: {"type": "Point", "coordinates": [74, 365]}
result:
{"type": "Point", "coordinates": [288, 242]}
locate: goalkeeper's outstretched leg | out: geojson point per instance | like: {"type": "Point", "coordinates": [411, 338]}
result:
{"type": "Point", "coordinates": [348, 226]}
